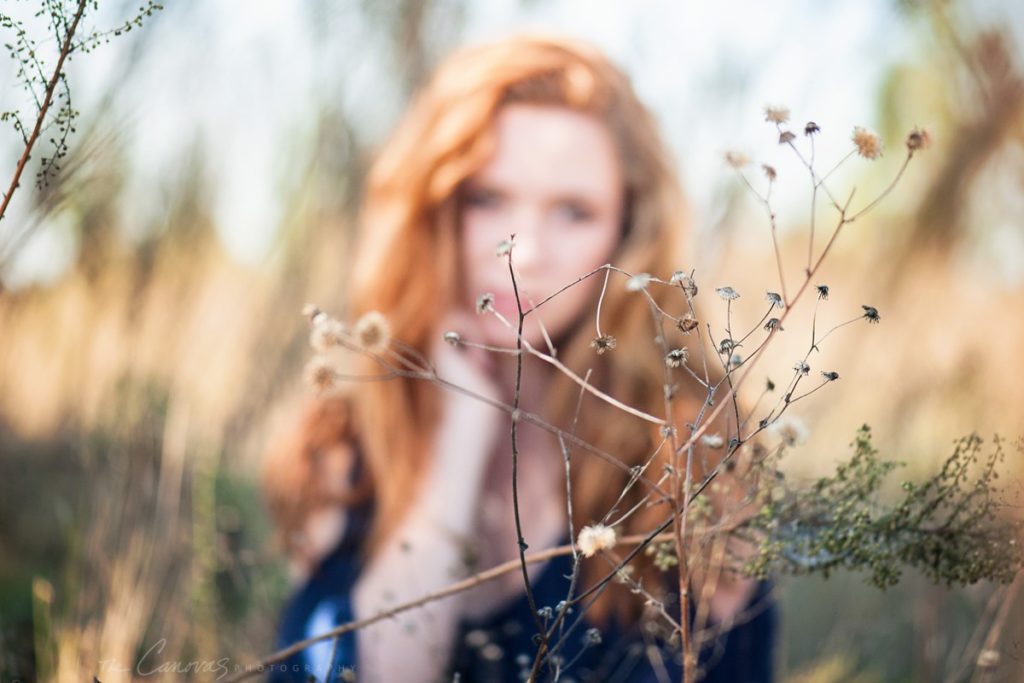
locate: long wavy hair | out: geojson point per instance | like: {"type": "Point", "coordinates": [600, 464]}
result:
{"type": "Point", "coordinates": [405, 267]}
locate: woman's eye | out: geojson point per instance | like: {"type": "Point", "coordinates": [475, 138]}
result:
{"type": "Point", "coordinates": [574, 212]}
{"type": "Point", "coordinates": [482, 198]}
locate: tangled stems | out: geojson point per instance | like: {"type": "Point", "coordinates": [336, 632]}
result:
{"type": "Point", "coordinates": [684, 491]}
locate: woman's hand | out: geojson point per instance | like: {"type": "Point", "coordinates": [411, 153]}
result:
{"type": "Point", "coordinates": [470, 425]}
{"type": "Point", "coordinates": [427, 552]}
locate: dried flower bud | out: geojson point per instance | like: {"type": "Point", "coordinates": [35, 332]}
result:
{"type": "Point", "coordinates": [769, 384]}
{"type": "Point", "coordinates": [727, 293]}
{"type": "Point", "coordinates": [776, 114]}
{"type": "Point", "coordinates": [320, 374]}
{"type": "Point", "coordinates": [326, 333]}
{"type": "Point", "coordinates": [868, 144]}
{"type": "Point", "coordinates": [594, 538]}
{"type": "Point", "coordinates": [310, 311]}
{"type": "Point", "coordinates": [687, 324]}
{"type": "Point", "coordinates": [603, 343]}
{"type": "Point", "coordinates": [769, 172]}
{"type": "Point", "coordinates": [685, 282]}
{"type": "Point", "coordinates": [790, 430]}
{"type": "Point", "coordinates": [485, 303]}
{"type": "Point", "coordinates": [727, 346]}
{"type": "Point", "coordinates": [638, 282]}
{"type": "Point", "coordinates": [676, 358]}
{"type": "Point", "coordinates": [871, 313]}
{"type": "Point", "coordinates": [372, 332]}
{"type": "Point", "coordinates": [504, 247]}
{"type": "Point", "coordinates": [919, 138]}
{"type": "Point", "coordinates": [452, 337]}
{"type": "Point", "coordinates": [830, 376]}
{"type": "Point", "coordinates": [736, 159]}
{"type": "Point", "coordinates": [712, 440]}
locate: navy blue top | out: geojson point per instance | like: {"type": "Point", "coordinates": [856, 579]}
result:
{"type": "Point", "coordinates": [500, 648]}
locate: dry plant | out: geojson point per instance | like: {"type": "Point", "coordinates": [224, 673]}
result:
{"type": "Point", "coordinates": [741, 517]}
{"type": "Point", "coordinates": [47, 88]}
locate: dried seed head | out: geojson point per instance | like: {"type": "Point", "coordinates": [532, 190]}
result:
{"type": "Point", "coordinates": [676, 358]}
{"type": "Point", "coordinates": [485, 303]}
{"type": "Point", "coordinates": [712, 440]}
{"type": "Point", "coordinates": [594, 538]}
{"type": "Point", "coordinates": [775, 298]}
{"type": "Point", "coordinates": [769, 384]}
{"type": "Point", "coordinates": [685, 282]}
{"type": "Point", "coordinates": [504, 247]}
{"type": "Point", "coordinates": [326, 333]}
{"type": "Point", "coordinates": [871, 313]}
{"type": "Point", "coordinates": [372, 332]}
{"type": "Point", "coordinates": [868, 144]}
{"type": "Point", "coordinates": [638, 282]}
{"type": "Point", "coordinates": [830, 376]}
{"type": "Point", "coordinates": [919, 138]}
{"type": "Point", "coordinates": [802, 367]}
{"type": "Point", "coordinates": [603, 343]}
{"type": "Point", "coordinates": [790, 430]}
{"type": "Point", "coordinates": [452, 337]}
{"type": "Point", "coordinates": [320, 374]}
{"type": "Point", "coordinates": [736, 360]}
{"type": "Point", "coordinates": [769, 172]}
{"type": "Point", "coordinates": [736, 159]}
{"type": "Point", "coordinates": [822, 291]}
{"type": "Point", "coordinates": [811, 128]}
{"type": "Point", "coordinates": [728, 293]}
{"type": "Point", "coordinates": [773, 324]}
{"type": "Point", "coordinates": [727, 346]}
{"type": "Point", "coordinates": [786, 137]}
{"type": "Point", "coordinates": [311, 311]}
{"type": "Point", "coordinates": [776, 114]}
{"type": "Point", "coordinates": [687, 324]}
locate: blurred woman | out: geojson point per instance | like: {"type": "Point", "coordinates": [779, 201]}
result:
{"type": "Point", "coordinates": [399, 487]}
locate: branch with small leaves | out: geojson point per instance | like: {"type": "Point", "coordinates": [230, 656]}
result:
{"type": "Point", "coordinates": [48, 86]}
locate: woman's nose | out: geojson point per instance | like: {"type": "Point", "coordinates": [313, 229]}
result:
{"type": "Point", "coordinates": [528, 253]}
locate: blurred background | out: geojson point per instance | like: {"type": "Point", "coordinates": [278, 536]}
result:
{"type": "Point", "coordinates": [150, 335]}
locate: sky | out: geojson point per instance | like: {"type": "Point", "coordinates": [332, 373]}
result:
{"type": "Point", "coordinates": [243, 79]}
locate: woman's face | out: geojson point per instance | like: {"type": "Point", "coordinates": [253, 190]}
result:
{"type": "Point", "coordinates": [556, 183]}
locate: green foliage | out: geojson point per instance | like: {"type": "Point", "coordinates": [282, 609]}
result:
{"type": "Point", "coordinates": [40, 70]}
{"type": "Point", "coordinates": [951, 527]}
